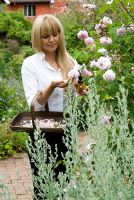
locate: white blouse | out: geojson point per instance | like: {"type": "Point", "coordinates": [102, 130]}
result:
{"type": "Point", "coordinates": [37, 73]}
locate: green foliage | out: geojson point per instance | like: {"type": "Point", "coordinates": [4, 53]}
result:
{"type": "Point", "coordinates": [5, 57]}
{"type": "Point", "coordinates": [71, 29]}
{"type": "Point", "coordinates": [26, 50]}
{"type": "Point", "coordinates": [14, 25]}
{"type": "Point", "coordinates": [121, 50]}
{"type": "Point", "coordinates": [11, 142]}
{"type": "Point", "coordinates": [11, 61]}
{"type": "Point", "coordinates": [15, 34]}
{"type": "Point", "coordinates": [12, 98]}
{"type": "Point", "coordinates": [12, 54]}
{"type": "Point", "coordinates": [3, 23]}
{"type": "Point", "coordinates": [104, 171]}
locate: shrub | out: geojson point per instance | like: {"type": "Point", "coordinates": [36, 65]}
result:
{"type": "Point", "coordinates": [119, 50]}
{"type": "Point", "coordinates": [11, 100]}
{"type": "Point", "coordinates": [11, 142]}
{"type": "Point", "coordinates": [71, 29]}
{"type": "Point", "coordinates": [3, 23]}
{"type": "Point", "coordinates": [103, 168]}
{"type": "Point", "coordinates": [14, 25]}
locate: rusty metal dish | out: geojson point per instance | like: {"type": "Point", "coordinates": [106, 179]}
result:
{"type": "Point", "coordinates": [16, 122]}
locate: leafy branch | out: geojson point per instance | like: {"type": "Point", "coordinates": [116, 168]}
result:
{"type": "Point", "coordinates": [126, 10]}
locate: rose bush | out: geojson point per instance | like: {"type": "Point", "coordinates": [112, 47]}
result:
{"type": "Point", "coordinates": [105, 46]}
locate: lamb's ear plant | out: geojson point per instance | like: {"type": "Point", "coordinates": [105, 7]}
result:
{"type": "Point", "coordinates": [112, 161]}
{"type": "Point", "coordinates": [43, 179]}
{"type": "Point", "coordinates": [103, 168]}
{"type": "Point", "coordinates": [5, 193]}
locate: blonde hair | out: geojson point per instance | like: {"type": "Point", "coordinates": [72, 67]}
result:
{"type": "Point", "coordinates": [47, 24]}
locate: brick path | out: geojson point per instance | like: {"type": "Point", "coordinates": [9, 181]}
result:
{"type": "Point", "coordinates": [15, 175]}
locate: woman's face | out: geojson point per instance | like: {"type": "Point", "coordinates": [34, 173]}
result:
{"type": "Point", "coordinates": [50, 41]}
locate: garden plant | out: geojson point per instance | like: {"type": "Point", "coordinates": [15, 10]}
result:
{"type": "Point", "coordinates": [101, 167]}
{"type": "Point", "coordinates": [100, 37]}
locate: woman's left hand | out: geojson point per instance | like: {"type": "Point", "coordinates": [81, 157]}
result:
{"type": "Point", "coordinates": [61, 84]}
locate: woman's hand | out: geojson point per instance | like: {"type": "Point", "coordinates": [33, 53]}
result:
{"type": "Point", "coordinates": [60, 84]}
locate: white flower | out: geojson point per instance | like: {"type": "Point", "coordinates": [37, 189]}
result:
{"type": "Point", "coordinates": [92, 48]}
{"type": "Point", "coordinates": [106, 20]}
{"type": "Point", "coordinates": [104, 62]}
{"type": "Point", "coordinates": [109, 40]}
{"type": "Point", "coordinates": [89, 6]}
{"type": "Point", "coordinates": [130, 29]}
{"type": "Point", "coordinates": [90, 13]}
{"type": "Point", "coordinates": [65, 190]}
{"type": "Point", "coordinates": [87, 159]}
{"type": "Point", "coordinates": [85, 6]}
{"type": "Point", "coordinates": [103, 51]}
{"type": "Point", "coordinates": [109, 2]}
{"type": "Point", "coordinates": [109, 75]}
{"type": "Point", "coordinates": [73, 184]}
{"type": "Point", "coordinates": [132, 69]}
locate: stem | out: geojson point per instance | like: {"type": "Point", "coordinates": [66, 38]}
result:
{"type": "Point", "coordinates": [116, 69]}
{"type": "Point", "coordinates": [100, 83]}
{"type": "Point", "coordinates": [102, 86]}
{"type": "Point", "coordinates": [126, 9]}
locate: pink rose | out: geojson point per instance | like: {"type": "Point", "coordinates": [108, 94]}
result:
{"type": "Point", "coordinates": [105, 41]}
{"type": "Point", "coordinates": [104, 62]}
{"type": "Point", "coordinates": [121, 31]}
{"type": "Point", "coordinates": [98, 28]}
{"type": "Point", "coordinates": [94, 63]}
{"type": "Point", "coordinates": [86, 72]}
{"type": "Point", "coordinates": [73, 73]}
{"type": "Point", "coordinates": [89, 41]}
{"type": "Point", "coordinates": [109, 75]}
{"type": "Point", "coordinates": [82, 34]}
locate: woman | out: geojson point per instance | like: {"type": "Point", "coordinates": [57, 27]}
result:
{"type": "Point", "coordinates": [46, 71]}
